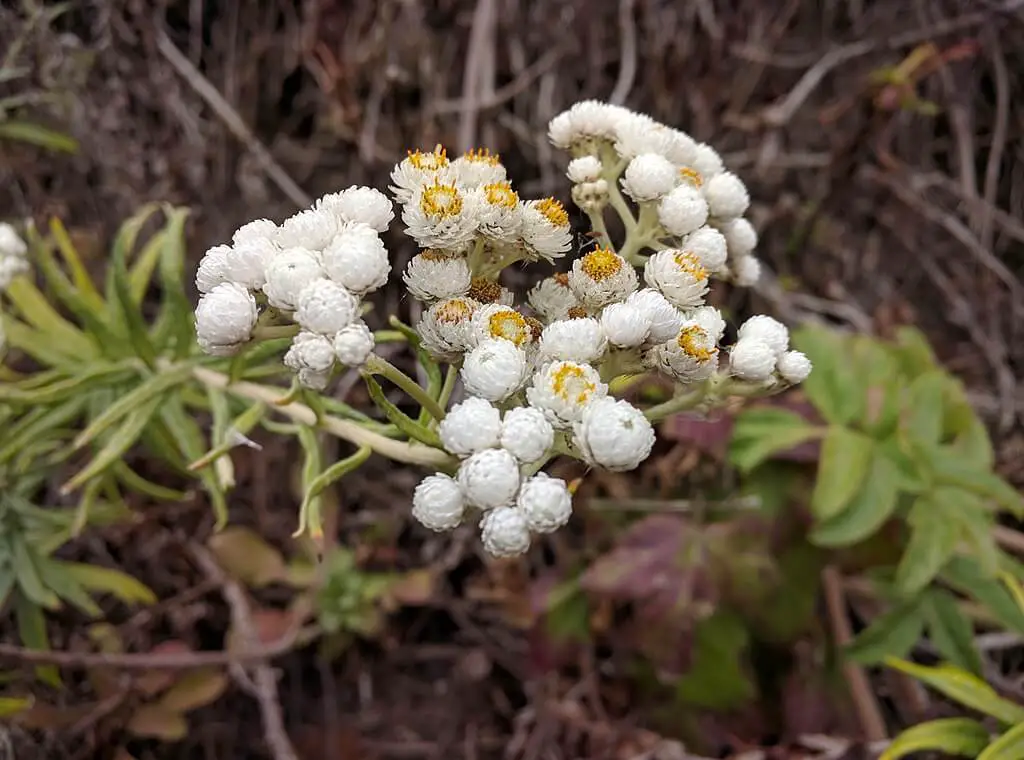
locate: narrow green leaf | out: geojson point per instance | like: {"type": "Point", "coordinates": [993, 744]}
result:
{"type": "Point", "coordinates": [38, 424]}
{"type": "Point", "coordinates": [1014, 587]}
{"type": "Point", "coordinates": [135, 482]}
{"type": "Point", "coordinates": [189, 441]}
{"type": "Point", "coordinates": [845, 457]}
{"type": "Point", "coordinates": [10, 706]}
{"type": "Point", "coordinates": [140, 273]}
{"type": "Point", "coordinates": [327, 478]}
{"type": "Point", "coordinates": [933, 537]}
{"type": "Point", "coordinates": [400, 419]}
{"type": "Point", "coordinates": [33, 306]}
{"type": "Point", "coordinates": [110, 581]}
{"type": "Point", "coordinates": [180, 333]}
{"type": "Point", "coordinates": [761, 432]}
{"type": "Point", "coordinates": [65, 586]}
{"type": "Point", "coordinates": [890, 635]}
{"type": "Point", "coordinates": [79, 274]}
{"type": "Point", "coordinates": [1009, 746]}
{"type": "Point", "coordinates": [32, 630]}
{"type": "Point", "coordinates": [950, 630]}
{"type": "Point", "coordinates": [36, 344]}
{"type": "Point", "coordinates": [868, 511]}
{"type": "Point", "coordinates": [966, 576]}
{"type": "Point", "coordinates": [38, 135]}
{"type": "Point", "coordinates": [923, 404]}
{"type": "Point", "coordinates": [30, 581]}
{"type": "Point", "coordinates": [311, 513]}
{"type": "Point", "coordinates": [960, 686]}
{"type": "Point", "coordinates": [90, 375]}
{"type": "Point", "coordinates": [953, 736]}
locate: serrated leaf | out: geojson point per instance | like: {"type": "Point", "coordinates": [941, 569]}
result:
{"type": "Point", "coordinates": [868, 511]}
{"type": "Point", "coordinates": [950, 630]}
{"type": "Point", "coordinates": [1009, 746]}
{"type": "Point", "coordinates": [763, 431]}
{"type": "Point", "coordinates": [933, 538]}
{"type": "Point", "coordinates": [107, 580]}
{"type": "Point", "coordinates": [953, 736]}
{"type": "Point", "coordinates": [845, 456]}
{"type": "Point", "coordinates": [890, 635]}
{"type": "Point", "coordinates": [156, 722]}
{"type": "Point", "coordinates": [245, 556]}
{"type": "Point", "coordinates": [194, 690]}
{"type": "Point", "coordinates": [964, 688]}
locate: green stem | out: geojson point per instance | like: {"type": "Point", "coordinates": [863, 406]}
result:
{"type": "Point", "coordinates": [598, 225]}
{"type": "Point", "coordinates": [377, 365]}
{"type": "Point", "coordinates": [680, 403]}
{"type": "Point", "coordinates": [451, 377]}
{"type": "Point", "coordinates": [269, 332]}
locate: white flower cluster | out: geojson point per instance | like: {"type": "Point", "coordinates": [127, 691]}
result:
{"type": "Point", "coordinates": [313, 269]}
{"type": "Point", "coordinates": [13, 260]}
{"type": "Point", "coordinates": [761, 354]}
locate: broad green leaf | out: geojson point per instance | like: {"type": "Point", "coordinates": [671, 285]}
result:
{"type": "Point", "coordinates": [833, 387]}
{"type": "Point", "coordinates": [156, 722]}
{"type": "Point", "coordinates": [923, 406]}
{"type": "Point", "coordinates": [975, 522]}
{"type": "Point", "coordinates": [38, 135]}
{"type": "Point", "coordinates": [949, 468]}
{"type": "Point", "coordinates": [870, 508]}
{"type": "Point", "coordinates": [966, 575]}
{"type": "Point", "coordinates": [933, 537]}
{"type": "Point", "coordinates": [950, 630]}
{"type": "Point", "coordinates": [953, 736]}
{"type": "Point", "coordinates": [1009, 746]}
{"type": "Point", "coordinates": [245, 556]}
{"type": "Point", "coordinates": [107, 580]}
{"type": "Point", "coordinates": [964, 688]}
{"type": "Point", "coordinates": [892, 634]}
{"type": "Point", "coordinates": [763, 431]}
{"type": "Point", "coordinates": [194, 690]}
{"type": "Point", "coordinates": [845, 457]}
{"type": "Point", "coordinates": [912, 350]}
{"type": "Point", "coordinates": [973, 446]}
{"type": "Point", "coordinates": [717, 679]}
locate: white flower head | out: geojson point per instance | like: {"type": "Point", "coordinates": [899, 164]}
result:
{"type": "Point", "coordinates": [683, 210]}
{"type": "Point", "coordinates": [357, 259]}
{"type": "Point", "coordinates": [477, 168]}
{"type": "Point", "coordinates": [794, 367]}
{"type": "Point", "coordinates": [495, 369]}
{"type": "Point", "coordinates": [310, 378]}
{"type": "Point", "coordinates": [586, 120]}
{"type": "Point", "coordinates": [648, 177]}
{"type": "Point", "coordinates": [326, 307]}
{"type": "Point", "coordinates": [354, 344]}
{"type": "Point", "coordinates": [727, 196]}
{"type": "Point", "coordinates": [438, 503]}
{"type": "Point", "coordinates": [625, 324]}
{"type": "Point", "coordinates": [545, 503]}
{"type": "Point", "coordinates": [213, 269]}
{"type": "Point", "coordinates": [433, 275]}
{"type": "Point", "coordinates": [258, 229]}
{"type": "Point", "coordinates": [526, 434]}
{"type": "Point", "coordinates": [225, 318]}
{"type": "Point", "coordinates": [752, 359]}
{"type": "Point", "coordinates": [469, 427]}
{"type": "Point", "coordinates": [446, 328]}
{"type": "Point", "coordinates": [545, 230]}
{"type": "Point", "coordinates": [678, 275]}
{"type": "Point", "coordinates": [497, 321]}
{"type": "Point", "coordinates": [740, 237]}
{"type": "Point", "coordinates": [601, 277]}
{"type": "Point", "coordinates": [746, 271]}
{"type": "Point", "coordinates": [665, 319]}
{"type": "Point", "coordinates": [682, 149]}
{"type": "Point", "coordinates": [310, 351]}
{"type": "Point", "coordinates": [638, 134]}
{"type": "Point", "coordinates": [313, 228]}
{"type": "Point", "coordinates": [584, 169]}
{"type": "Point", "coordinates": [767, 330]}
{"type": "Point", "coordinates": [489, 478]}
{"type": "Point", "coordinates": [692, 356]}
{"type": "Point", "coordinates": [11, 243]}
{"type": "Point", "coordinates": [709, 246]}
{"type": "Point", "coordinates": [365, 205]}
{"type": "Point", "coordinates": [578, 340]}
{"type": "Point", "coordinates": [614, 434]}
{"type": "Point", "coordinates": [441, 215]}
{"type": "Point", "coordinates": [288, 273]}
{"type": "Point", "coordinates": [246, 262]}
{"type": "Point", "coordinates": [504, 532]}
{"type": "Point", "coordinates": [417, 169]}
{"type": "Point", "coordinates": [706, 161]}
{"type": "Point", "coordinates": [552, 297]}
{"type": "Point", "coordinates": [498, 211]}
{"type": "Point", "coordinates": [563, 389]}
{"type": "Point", "coordinates": [710, 318]}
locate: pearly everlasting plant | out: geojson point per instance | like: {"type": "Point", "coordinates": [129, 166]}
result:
{"type": "Point", "coordinates": [541, 371]}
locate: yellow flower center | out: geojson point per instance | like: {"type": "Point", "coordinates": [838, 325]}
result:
{"type": "Point", "coordinates": [434, 254]}
{"type": "Point", "coordinates": [483, 156]}
{"type": "Point", "coordinates": [562, 279]}
{"type": "Point", "coordinates": [693, 341]}
{"type": "Point", "coordinates": [501, 194]}
{"type": "Point", "coordinates": [454, 310]}
{"type": "Point", "coordinates": [691, 175]}
{"type": "Point", "coordinates": [570, 382]}
{"type": "Point", "coordinates": [429, 162]}
{"type": "Point", "coordinates": [510, 325]}
{"type": "Point", "coordinates": [441, 201]}
{"type": "Point", "coordinates": [689, 263]}
{"type": "Point", "coordinates": [601, 264]}
{"type": "Point", "coordinates": [553, 211]}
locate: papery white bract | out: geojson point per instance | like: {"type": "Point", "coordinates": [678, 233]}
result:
{"type": "Point", "coordinates": [213, 269]}
{"type": "Point", "coordinates": [552, 298]}
{"type": "Point", "coordinates": [563, 389]}
{"type": "Point", "coordinates": [545, 228]}
{"type": "Point", "coordinates": [648, 177]}
{"type": "Point", "coordinates": [326, 307]}
{"type": "Point", "coordinates": [727, 196]}
{"type": "Point", "coordinates": [446, 328]}
{"type": "Point", "coordinates": [545, 503]}
{"type": "Point", "coordinates": [438, 503]}
{"type": "Point", "coordinates": [258, 229]}
{"type": "Point", "coordinates": [665, 318]}
{"type": "Point", "coordinates": [578, 340]}
{"type": "Point", "coordinates": [441, 215]}
{"type": "Point", "coordinates": [690, 357]}
{"type": "Point", "coordinates": [584, 169]}
{"type": "Point", "coordinates": [794, 367]}
{"type": "Point", "coordinates": [505, 532]}
{"type": "Point", "coordinates": [678, 275]}
{"type": "Point", "coordinates": [354, 344]}
{"type": "Point", "coordinates": [417, 169]}
{"type": "Point", "coordinates": [477, 168]}
{"type": "Point", "coordinates": [313, 228]}
{"type": "Point", "coordinates": [489, 478]}
{"type": "Point", "coordinates": [366, 205]}
{"type": "Point", "coordinates": [767, 330]}
{"type": "Point", "coordinates": [432, 275]}
{"type": "Point", "coordinates": [471, 426]}
{"type": "Point", "coordinates": [495, 369]}
{"type": "Point", "coordinates": [357, 259]}
{"type": "Point", "coordinates": [683, 210]}
{"type": "Point", "coordinates": [526, 434]}
{"type": "Point", "coordinates": [225, 318]}
{"type": "Point", "coordinates": [614, 434]}
{"type": "Point", "coordinates": [310, 351]}
{"type": "Point", "coordinates": [626, 325]}
{"type": "Point", "coordinates": [600, 277]}
{"type": "Point", "coordinates": [752, 359]}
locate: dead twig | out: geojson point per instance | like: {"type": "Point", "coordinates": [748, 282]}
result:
{"type": "Point", "coordinates": [627, 65]}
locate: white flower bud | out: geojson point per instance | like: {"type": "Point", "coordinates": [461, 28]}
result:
{"type": "Point", "coordinates": [356, 258]}
{"type": "Point", "coordinates": [794, 367]}
{"type": "Point", "coordinates": [213, 268]}
{"type": "Point", "coordinates": [225, 317]}
{"type": "Point", "coordinates": [478, 167]}
{"type": "Point", "coordinates": [561, 390]}
{"type": "Point", "coordinates": [489, 478]}
{"type": "Point", "coordinates": [690, 357]}
{"type": "Point", "coordinates": [437, 503]}
{"type": "Point", "coordinates": [314, 380]}
{"type": "Point", "coordinates": [740, 237]}
{"type": "Point", "coordinates": [246, 263]}
{"type": "Point", "coordinates": [504, 532]}
{"type": "Point", "coordinates": [498, 211]}
{"type": "Point", "coordinates": [326, 307]}
{"type": "Point", "coordinates": [366, 205]}
{"type": "Point", "coordinates": [258, 229]}
{"type": "Point", "coordinates": [552, 297]}
{"type": "Point", "coordinates": [709, 246]}
{"type": "Point", "coordinates": [614, 434]}
{"type": "Point", "coordinates": [545, 503]}
{"type": "Point", "coordinates": [727, 196]}
{"type": "Point", "coordinates": [526, 434]}
{"type": "Point", "coordinates": [446, 328]}
{"type": "Point", "coordinates": [746, 271]}
{"type": "Point", "coordinates": [584, 169]}
{"type": "Point", "coordinates": [418, 169]}
{"type": "Point", "coordinates": [434, 275]}
{"type": "Point", "coordinates": [313, 228]}
{"type": "Point", "coordinates": [601, 277]}
{"type": "Point", "coordinates": [495, 369]}
{"type": "Point", "coordinates": [752, 359]}
{"type": "Point", "coordinates": [545, 228]}
{"type": "Point", "coordinates": [710, 319]}
{"type": "Point", "coordinates": [679, 275]}
{"type": "Point", "coordinates": [706, 161]}
{"type": "Point", "coordinates": [665, 318]}
{"type": "Point", "coordinates": [648, 177]}
{"type": "Point", "coordinates": [469, 427]}
{"type": "Point", "coordinates": [625, 324]}
{"type": "Point", "coordinates": [354, 344]}
{"type": "Point", "coordinates": [683, 210]}
{"type": "Point", "coordinates": [11, 243]}
{"type": "Point", "coordinates": [289, 272]}
{"type": "Point", "coordinates": [767, 330]}
{"type": "Point", "coordinates": [577, 340]}
{"type": "Point", "coordinates": [310, 351]}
